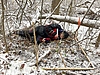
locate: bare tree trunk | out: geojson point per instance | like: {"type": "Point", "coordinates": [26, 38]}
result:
{"type": "Point", "coordinates": [54, 4]}
{"type": "Point", "coordinates": [0, 25]}
{"type": "Point", "coordinates": [41, 12]}
{"type": "Point", "coordinates": [2, 19]}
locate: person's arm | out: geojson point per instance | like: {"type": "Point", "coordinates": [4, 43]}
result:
{"type": "Point", "coordinates": [41, 39]}
{"type": "Point", "coordinates": [46, 40]}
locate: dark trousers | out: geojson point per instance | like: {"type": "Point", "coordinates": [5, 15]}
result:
{"type": "Point", "coordinates": [26, 34]}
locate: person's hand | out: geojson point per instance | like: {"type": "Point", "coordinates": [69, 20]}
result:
{"type": "Point", "coordinates": [56, 36]}
{"type": "Point", "coordinates": [43, 40]}
{"type": "Point", "coordinates": [46, 40]}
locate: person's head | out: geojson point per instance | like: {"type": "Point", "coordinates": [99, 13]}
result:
{"type": "Point", "coordinates": [64, 35]}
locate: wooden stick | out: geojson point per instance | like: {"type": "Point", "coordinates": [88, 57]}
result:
{"type": "Point", "coordinates": [35, 46]}
{"type": "Point", "coordinates": [97, 41]}
{"type": "Point", "coordinates": [39, 59]}
{"type": "Point", "coordinates": [61, 54]}
{"type": "Point", "coordinates": [3, 25]}
{"type": "Point", "coordinates": [62, 59]}
{"type": "Point", "coordinates": [84, 52]}
{"type": "Point", "coordinates": [68, 68]}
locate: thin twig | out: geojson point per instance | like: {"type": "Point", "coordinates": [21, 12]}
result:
{"type": "Point", "coordinates": [62, 59]}
{"type": "Point", "coordinates": [76, 39]}
{"type": "Point", "coordinates": [41, 12]}
{"type": "Point", "coordinates": [22, 13]}
{"type": "Point", "coordinates": [82, 40]}
{"type": "Point", "coordinates": [61, 54]}
{"type": "Point", "coordinates": [53, 11]}
{"type": "Point", "coordinates": [88, 10]}
{"type": "Point", "coordinates": [85, 15]}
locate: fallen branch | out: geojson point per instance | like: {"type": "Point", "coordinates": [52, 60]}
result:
{"type": "Point", "coordinates": [68, 68]}
{"type": "Point", "coordinates": [44, 55]}
{"type": "Point", "coordinates": [35, 46]}
{"type": "Point", "coordinates": [39, 59]}
{"type": "Point", "coordinates": [73, 20]}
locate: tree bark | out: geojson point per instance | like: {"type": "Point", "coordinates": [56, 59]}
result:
{"type": "Point", "coordinates": [97, 41]}
{"type": "Point", "coordinates": [2, 19]}
{"type": "Point", "coordinates": [0, 25]}
{"type": "Point", "coordinates": [74, 20]}
{"type": "Point", "coordinates": [54, 4]}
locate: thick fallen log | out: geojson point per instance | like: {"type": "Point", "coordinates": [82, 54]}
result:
{"type": "Point", "coordinates": [73, 20]}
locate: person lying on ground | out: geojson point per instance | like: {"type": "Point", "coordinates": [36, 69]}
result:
{"type": "Point", "coordinates": [45, 33]}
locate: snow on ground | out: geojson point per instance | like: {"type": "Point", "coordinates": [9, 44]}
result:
{"type": "Point", "coordinates": [21, 58]}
